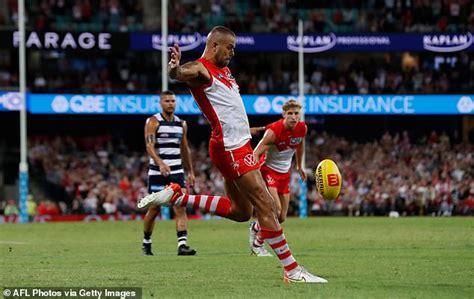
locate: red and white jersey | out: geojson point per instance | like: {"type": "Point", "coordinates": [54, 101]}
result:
{"type": "Point", "coordinates": [221, 103]}
{"type": "Point", "coordinates": [281, 152]}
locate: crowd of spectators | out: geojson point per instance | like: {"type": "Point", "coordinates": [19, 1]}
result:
{"type": "Point", "coordinates": [250, 16]}
{"type": "Point", "coordinates": [366, 74]}
{"type": "Point", "coordinates": [324, 16]}
{"type": "Point", "coordinates": [257, 73]}
{"type": "Point", "coordinates": [79, 15]}
{"type": "Point", "coordinates": [431, 176]}
{"type": "Point", "coordinates": [138, 73]}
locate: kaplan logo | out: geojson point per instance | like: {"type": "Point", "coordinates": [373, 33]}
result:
{"type": "Point", "coordinates": [312, 43]}
{"type": "Point", "coordinates": [447, 42]}
{"type": "Point", "coordinates": [186, 42]}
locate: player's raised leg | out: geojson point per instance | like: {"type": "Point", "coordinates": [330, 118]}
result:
{"type": "Point", "coordinates": [173, 196]}
{"type": "Point", "coordinates": [238, 209]}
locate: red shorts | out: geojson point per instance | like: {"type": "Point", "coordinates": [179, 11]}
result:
{"type": "Point", "coordinates": [234, 163]}
{"type": "Point", "coordinates": [275, 179]}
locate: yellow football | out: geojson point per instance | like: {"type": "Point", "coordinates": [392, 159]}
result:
{"type": "Point", "coordinates": [328, 179]}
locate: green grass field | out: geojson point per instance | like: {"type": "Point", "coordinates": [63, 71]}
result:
{"type": "Point", "coordinates": [361, 258]}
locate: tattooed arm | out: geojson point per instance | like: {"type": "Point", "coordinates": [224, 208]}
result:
{"type": "Point", "coordinates": [193, 73]}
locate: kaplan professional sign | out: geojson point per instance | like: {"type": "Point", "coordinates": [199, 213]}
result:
{"type": "Point", "coordinates": [67, 40]}
{"type": "Point", "coordinates": [315, 43]}
{"type": "Point", "coordinates": [447, 42]}
{"type": "Point", "coordinates": [312, 43]}
{"type": "Point", "coordinates": [190, 41]}
{"type": "Point", "coordinates": [10, 101]}
{"type": "Point", "coordinates": [257, 105]}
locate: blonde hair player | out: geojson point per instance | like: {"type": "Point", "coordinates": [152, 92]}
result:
{"type": "Point", "coordinates": [282, 140]}
{"type": "Point", "coordinates": [217, 95]}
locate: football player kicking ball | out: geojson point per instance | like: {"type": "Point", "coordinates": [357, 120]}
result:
{"type": "Point", "coordinates": [217, 94]}
{"type": "Point", "coordinates": [276, 149]}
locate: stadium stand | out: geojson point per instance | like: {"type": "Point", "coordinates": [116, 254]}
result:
{"type": "Point", "coordinates": [136, 73]}
{"type": "Point", "coordinates": [250, 16]}
{"type": "Point", "coordinates": [62, 15]}
{"type": "Point", "coordinates": [432, 176]}
{"type": "Point", "coordinates": [337, 73]}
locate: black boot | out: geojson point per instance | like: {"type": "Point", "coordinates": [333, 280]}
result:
{"type": "Point", "coordinates": [186, 250]}
{"type": "Point", "coordinates": [147, 249]}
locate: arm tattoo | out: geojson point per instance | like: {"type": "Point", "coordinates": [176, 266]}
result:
{"type": "Point", "coordinates": [181, 72]}
{"type": "Point", "coordinates": [173, 72]}
{"type": "Point", "coordinates": [151, 139]}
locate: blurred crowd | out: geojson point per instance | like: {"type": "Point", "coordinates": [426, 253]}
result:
{"type": "Point", "coordinates": [366, 74]}
{"type": "Point", "coordinates": [78, 15]}
{"type": "Point", "coordinates": [257, 73]}
{"type": "Point", "coordinates": [249, 16]}
{"type": "Point", "coordinates": [324, 16]}
{"type": "Point", "coordinates": [98, 175]}
{"type": "Point", "coordinates": [429, 177]}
